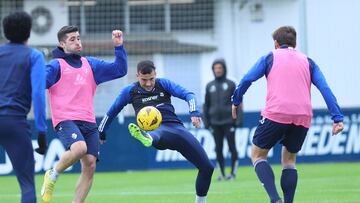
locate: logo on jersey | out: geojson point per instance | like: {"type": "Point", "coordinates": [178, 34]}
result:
{"type": "Point", "coordinates": [80, 80]}
{"type": "Point", "coordinates": [74, 136]}
{"type": "Point", "coordinates": [212, 88]}
{"type": "Point", "coordinates": [162, 94]}
{"type": "Point", "coordinates": [144, 100]}
{"type": "Point", "coordinates": [262, 121]}
{"type": "Point", "coordinates": [225, 86]}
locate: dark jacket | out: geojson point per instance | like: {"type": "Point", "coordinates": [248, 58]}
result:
{"type": "Point", "coordinates": [217, 106]}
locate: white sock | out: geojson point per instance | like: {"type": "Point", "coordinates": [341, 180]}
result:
{"type": "Point", "coordinates": [200, 199]}
{"type": "Point", "coordinates": [53, 175]}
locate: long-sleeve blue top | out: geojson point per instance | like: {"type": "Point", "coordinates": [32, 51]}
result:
{"type": "Point", "coordinates": [22, 73]}
{"type": "Point", "coordinates": [103, 71]}
{"type": "Point", "coordinates": [160, 97]}
{"type": "Point", "coordinates": [263, 67]}
{"type": "Point", "coordinates": [38, 78]}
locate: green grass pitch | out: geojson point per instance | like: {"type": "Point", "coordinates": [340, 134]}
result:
{"type": "Point", "coordinates": [318, 183]}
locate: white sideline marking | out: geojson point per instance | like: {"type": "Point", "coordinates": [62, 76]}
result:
{"type": "Point", "coordinates": [59, 194]}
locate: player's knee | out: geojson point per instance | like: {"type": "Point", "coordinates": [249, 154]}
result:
{"type": "Point", "coordinates": [79, 148]}
{"type": "Point", "coordinates": [208, 169]}
{"type": "Point", "coordinates": [289, 166]}
{"type": "Point", "coordinates": [89, 167]}
{"type": "Point", "coordinates": [288, 162]}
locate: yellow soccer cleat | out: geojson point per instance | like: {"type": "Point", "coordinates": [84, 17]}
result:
{"type": "Point", "coordinates": [47, 188]}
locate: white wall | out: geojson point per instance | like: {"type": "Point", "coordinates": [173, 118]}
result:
{"type": "Point", "coordinates": [333, 42]}
{"type": "Point", "coordinates": [327, 31]}
{"type": "Point", "coordinates": [255, 40]}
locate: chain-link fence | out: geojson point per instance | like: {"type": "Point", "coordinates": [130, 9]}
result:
{"type": "Point", "coordinates": [152, 30]}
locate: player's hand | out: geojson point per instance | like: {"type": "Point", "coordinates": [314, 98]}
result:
{"type": "Point", "coordinates": [42, 143]}
{"type": "Point", "coordinates": [337, 127]}
{"type": "Point", "coordinates": [117, 37]}
{"type": "Point", "coordinates": [234, 110]}
{"type": "Point", "coordinates": [102, 138]}
{"type": "Point", "coordinates": [196, 121]}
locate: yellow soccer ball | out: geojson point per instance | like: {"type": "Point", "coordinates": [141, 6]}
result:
{"type": "Point", "coordinates": [149, 118]}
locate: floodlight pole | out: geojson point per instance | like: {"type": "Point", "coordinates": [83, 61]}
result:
{"type": "Point", "coordinates": [82, 18]}
{"type": "Point", "coordinates": [167, 16]}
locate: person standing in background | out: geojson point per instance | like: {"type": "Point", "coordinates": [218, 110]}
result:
{"type": "Point", "coordinates": [217, 117]}
{"type": "Point", "coordinates": [22, 73]}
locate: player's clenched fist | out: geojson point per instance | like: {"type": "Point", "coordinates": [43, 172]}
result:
{"type": "Point", "coordinates": [117, 37]}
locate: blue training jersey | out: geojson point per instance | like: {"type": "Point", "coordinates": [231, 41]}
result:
{"type": "Point", "coordinates": [160, 97]}
{"type": "Point", "coordinates": [22, 73]}
{"type": "Point", "coordinates": [263, 67]}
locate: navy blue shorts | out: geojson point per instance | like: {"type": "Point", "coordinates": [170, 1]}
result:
{"type": "Point", "coordinates": [268, 133]}
{"type": "Point", "coordinates": [70, 132]}
{"type": "Point", "coordinates": [175, 136]}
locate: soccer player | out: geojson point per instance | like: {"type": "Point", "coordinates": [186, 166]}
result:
{"type": "Point", "coordinates": [171, 134]}
{"type": "Point", "coordinates": [72, 80]}
{"type": "Point", "coordinates": [22, 73]}
{"type": "Point", "coordinates": [288, 112]}
{"type": "Point", "coordinates": [217, 116]}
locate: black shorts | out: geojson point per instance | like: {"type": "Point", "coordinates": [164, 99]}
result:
{"type": "Point", "coordinates": [268, 133]}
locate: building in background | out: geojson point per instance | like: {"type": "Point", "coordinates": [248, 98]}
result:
{"type": "Point", "coordinates": [183, 36]}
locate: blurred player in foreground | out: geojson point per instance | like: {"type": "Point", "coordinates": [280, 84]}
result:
{"type": "Point", "coordinates": [72, 80]}
{"type": "Point", "coordinates": [22, 73]}
{"type": "Point", "coordinates": [171, 134]}
{"type": "Point", "coordinates": [288, 111]}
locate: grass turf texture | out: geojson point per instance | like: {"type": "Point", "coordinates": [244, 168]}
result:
{"type": "Point", "coordinates": [318, 183]}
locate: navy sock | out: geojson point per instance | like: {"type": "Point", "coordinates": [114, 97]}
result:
{"type": "Point", "coordinates": [288, 184]}
{"type": "Point", "coordinates": [267, 178]}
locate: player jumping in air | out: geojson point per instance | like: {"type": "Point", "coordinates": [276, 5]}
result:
{"type": "Point", "coordinates": [72, 81]}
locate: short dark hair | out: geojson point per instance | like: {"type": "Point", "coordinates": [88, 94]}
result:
{"type": "Point", "coordinates": [285, 35]}
{"type": "Point", "coordinates": [65, 30]}
{"type": "Point", "coordinates": [145, 67]}
{"type": "Point", "coordinates": [17, 26]}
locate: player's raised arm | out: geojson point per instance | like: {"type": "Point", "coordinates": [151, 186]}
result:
{"type": "Point", "coordinates": [105, 71]}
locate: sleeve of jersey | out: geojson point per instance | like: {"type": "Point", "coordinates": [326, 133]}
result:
{"type": "Point", "coordinates": [206, 107]}
{"type": "Point", "coordinates": [52, 73]}
{"type": "Point", "coordinates": [181, 93]}
{"type": "Point", "coordinates": [106, 71]}
{"type": "Point", "coordinates": [318, 79]}
{"type": "Point", "coordinates": [121, 101]}
{"type": "Point", "coordinates": [256, 72]}
{"type": "Point", "coordinates": [38, 89]}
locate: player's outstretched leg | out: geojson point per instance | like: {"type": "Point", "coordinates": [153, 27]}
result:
{"type": "Point", "coordinates": [140, 135]}
{"type": "Point", "coordinates": [48, 187]}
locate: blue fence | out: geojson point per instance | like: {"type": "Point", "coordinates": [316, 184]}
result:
{"type": "Point", "coordinates": [121, 152]}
